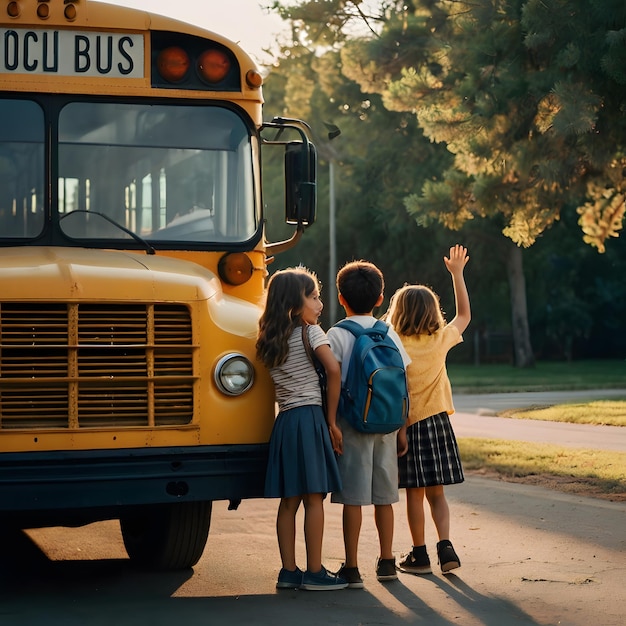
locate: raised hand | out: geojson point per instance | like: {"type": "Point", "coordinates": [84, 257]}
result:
{"type": "Point", "coordinates": [457, 260]}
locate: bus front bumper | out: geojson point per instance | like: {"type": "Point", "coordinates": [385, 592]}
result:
{"type": "Point", "coordinates": [78, 487]}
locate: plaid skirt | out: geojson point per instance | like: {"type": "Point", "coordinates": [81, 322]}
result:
{"type": "Point", "coordinates": [433, 457]}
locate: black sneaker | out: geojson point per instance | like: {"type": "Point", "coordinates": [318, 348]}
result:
{"type": "Point", "coordinates": [386, 570]}
{"type": "Point", "coordinates": [448, 558]}
{"type": "Point", "coordinates": [416, 561]}
{"type": "Point", "coordinates": [351, 576]}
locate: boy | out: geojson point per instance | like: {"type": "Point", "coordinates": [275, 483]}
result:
{"type": "Point", "coordinates": [368, 464]}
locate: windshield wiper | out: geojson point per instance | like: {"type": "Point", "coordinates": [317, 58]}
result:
{"type": "Point", "coordinates": [135, 236]}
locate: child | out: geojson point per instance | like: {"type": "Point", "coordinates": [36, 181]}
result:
{"type": "Point", "coordinates": [302, 466]}
{"type": "Point", "coordinates": [368, 465]}
{"type": "Point", "coordinates": [433, 458]}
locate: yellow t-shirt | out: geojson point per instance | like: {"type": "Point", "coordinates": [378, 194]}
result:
{"type": "Point", "coordinates": [430, 391]}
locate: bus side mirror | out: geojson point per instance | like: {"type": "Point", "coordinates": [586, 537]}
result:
{"type": "Point", "coordinates": [300, 183]}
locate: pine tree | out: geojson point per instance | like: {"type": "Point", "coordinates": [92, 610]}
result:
{"type": "Point", "coordinates": [527, 95]}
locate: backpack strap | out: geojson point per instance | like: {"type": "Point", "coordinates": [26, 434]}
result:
{"type": "Point", "coordinates": [320, 370]}
{"type": "Point", "coordinates": [381, 327]}
{"type": "Point", "coordinates": [356, 329]}
{"type": "Point", "coordinates": [353, 327]}
{"type": "Point", "coordinates": [307, 344]}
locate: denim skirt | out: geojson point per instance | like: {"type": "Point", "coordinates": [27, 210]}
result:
{"type": "Point", "coordinates": [433, 457]}
{"type": "Point", "coordinates": [301, 456]}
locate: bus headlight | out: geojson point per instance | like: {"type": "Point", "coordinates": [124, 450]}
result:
{"type": "Point", "coordinates": [234, 374]}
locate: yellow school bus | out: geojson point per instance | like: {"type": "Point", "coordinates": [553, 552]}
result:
{"type": "Point", "coordinates": [133, 261]}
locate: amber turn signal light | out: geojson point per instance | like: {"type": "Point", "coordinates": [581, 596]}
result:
{"type": "Point", "coordinates": [254, 79]}
{"type": "Point", "coordinates": [235, 268]}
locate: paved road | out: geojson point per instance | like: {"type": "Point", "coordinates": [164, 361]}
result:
{"type": "Point", "coordinates": [475, 417]}
{"type": "Point", "coordinates": [530, 557]}
{"type": "Point", "coordinates": [490, 404]}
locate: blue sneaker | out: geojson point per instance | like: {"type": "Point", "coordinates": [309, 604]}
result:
{"type": "Point", "coordinates": [322, 581]}
{"type": "Point", "coordinates": [289, 579]}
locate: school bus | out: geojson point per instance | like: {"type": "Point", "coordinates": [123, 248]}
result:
{"type": "Point", "coordinates": [133, 263]}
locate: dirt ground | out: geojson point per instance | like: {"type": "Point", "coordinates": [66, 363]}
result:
{"type": "Point", "coordinates": [564, 484]}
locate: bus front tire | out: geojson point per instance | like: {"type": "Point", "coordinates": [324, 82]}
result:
{"type": "Point", "coordinates": [168, 537]}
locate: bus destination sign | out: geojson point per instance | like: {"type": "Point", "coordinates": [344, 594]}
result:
{"type": "Point", "coordinates": [71, 53]}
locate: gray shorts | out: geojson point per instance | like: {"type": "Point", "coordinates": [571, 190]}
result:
{"type": "Point", "coordinates": [368, 468]}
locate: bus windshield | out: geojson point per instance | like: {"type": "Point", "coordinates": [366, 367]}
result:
{"type": "Point", "coordinates": [164, 172]}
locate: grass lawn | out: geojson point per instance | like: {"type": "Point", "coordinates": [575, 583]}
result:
{"type": "Point", "coordinates": [545, 376]}
{"type": "Point", "coordinates": [599, 412]}
{"type": "Point", "coordinates": [597, 473]}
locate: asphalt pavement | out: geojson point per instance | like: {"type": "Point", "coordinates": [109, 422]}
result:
{"type": "Point", "coordinates": [530, 556]}
{"type": "Point", "coordinates": [490, 404]}
{"type": "Point", "coordinates": [560, 558]}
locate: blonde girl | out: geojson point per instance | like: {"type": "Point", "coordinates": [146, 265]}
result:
{"type": "Point", "coordinates": [302, 466]}
{"type": "Point", "coordinates": [432, 460]}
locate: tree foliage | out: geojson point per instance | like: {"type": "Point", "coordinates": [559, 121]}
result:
{"type": "Point", "coordinates": [526, 94]}
{"type": "Point", "coordinates": [378, 159]}
{"type": "Point", "coordinates": [503, 120]}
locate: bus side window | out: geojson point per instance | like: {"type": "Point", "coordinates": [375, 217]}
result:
{"type": "Point", "coordinates": [21, 191]}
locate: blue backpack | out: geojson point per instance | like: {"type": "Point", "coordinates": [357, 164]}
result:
{"type": "Point", "coordinates": [374, 397]}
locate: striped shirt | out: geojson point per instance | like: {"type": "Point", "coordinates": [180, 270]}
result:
{"type": "Point", "coordinates": [295, 381]}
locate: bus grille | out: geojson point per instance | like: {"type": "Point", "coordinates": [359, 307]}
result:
{"type": "Point", "coordinates": [77, 366]}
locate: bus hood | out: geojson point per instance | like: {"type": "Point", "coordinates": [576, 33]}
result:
{"type": "Point", "coordinates": [40, 273]}
{"type": "Point", "coordinates": [78, 274]}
